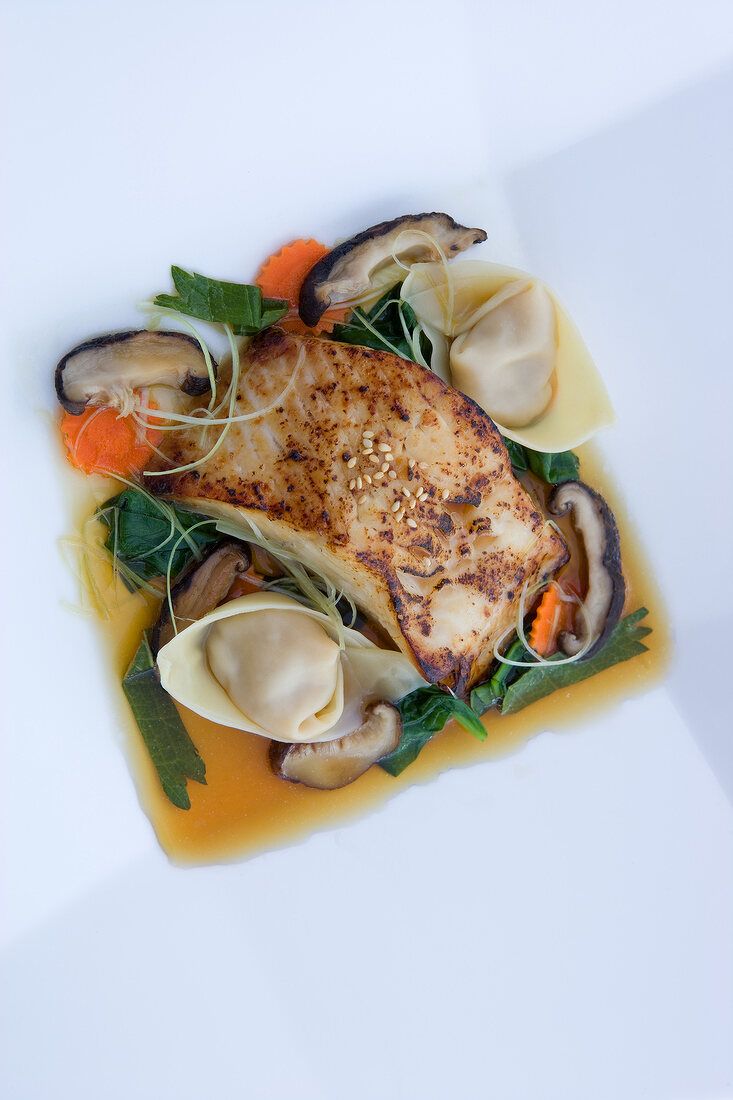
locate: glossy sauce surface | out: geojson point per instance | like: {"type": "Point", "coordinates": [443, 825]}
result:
{"type": "Point", "coordinates": [244, 809]}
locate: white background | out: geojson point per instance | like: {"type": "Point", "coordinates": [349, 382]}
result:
{"type": "Point", "coordinates": [557, 924]}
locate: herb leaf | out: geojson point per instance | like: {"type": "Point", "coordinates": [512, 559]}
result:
{"type": "Point", "coordinates": [143, 533]}
{"type": "Point", "coordinates": [424, 712]}
{"type": "Point", "coordinates": [517, 455]}
{"type": "Point", "coordinates": [623, 644]}
{"type": "Point", "coordinates": [237, 304]}
{"type": "Point", "coordinates": [384, 318]}
{"type": "Point", "coordinates": [551, 467]}
{"type": "Point", "coordinates": [493, 691]}
{"type": "Point", "coordinates": [172, 751]}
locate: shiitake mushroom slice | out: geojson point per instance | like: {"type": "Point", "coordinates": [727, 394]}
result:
{"type": "Point", "coordinates": [108, 369]}
{"type": "Point", "coordinates": [202, 590]}
{"type": "Point", "coordinates": [604, 600]}
{"type": "Point", "coordinates": [328, 765]}
{"type": "Point", "coordinates": [346, 271]}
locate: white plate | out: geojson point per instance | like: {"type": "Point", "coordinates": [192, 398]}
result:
{"type": "Point", "coordinates": [556, 924]}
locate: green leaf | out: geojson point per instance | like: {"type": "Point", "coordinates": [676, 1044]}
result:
{"type": "Point", "coordinates": [623, 644]}
{"type": "Point", "coordinates": [517, 456]}
{"type": "Point", "coordinates": [424, 712]}
{"type": "Point", "coordinates": [553, 468]}
{"type": "Point", "coordinates": [172, 751]}
{"type": "Point", "coordinates": [493, 691]}
{"type": "Point", "coordinates": [237, 304]}
{"type": "Point", "coordinates": [550, 467]}
{"type": "Point", "coordinates": [146, 534]}
{"type": "Point", "coordinates": [381, 327]}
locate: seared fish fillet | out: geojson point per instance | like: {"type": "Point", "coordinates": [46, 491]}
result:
{"type": "Point", "coordinates": [429, 533]}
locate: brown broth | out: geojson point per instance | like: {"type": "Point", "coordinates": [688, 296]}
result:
{"type": "Point", "coordinates": [244, 809]}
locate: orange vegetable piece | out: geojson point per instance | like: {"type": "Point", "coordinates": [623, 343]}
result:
{"type": "Point", "coordinates": [548, 621]}
{"type": "Point", "coordinates": [101, 441]}
{"type": "Point", "coordinates": [244, 584]}
{"type": "Point", "coordinates": [282, 276]}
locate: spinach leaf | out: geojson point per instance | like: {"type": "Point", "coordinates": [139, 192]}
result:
{"type": "Point", "coordinates": [146, 534]}
{"type": "Point", "coordinates": [172, 751]}
{"type": "Point", "coordinates": [381, 327]}
{"type": "Point", "coordinates": [517, 455]}
{"type": "Point", "coordinates": [623, 644]}
{"type": "Point", "coordinates": [424, 712]}
{"type": "Point", "coordinates": [493, 691]}
{"type": "Point", "coordinates": [236, 304]}
{"type": "Point", "coordinates": [551, 467]}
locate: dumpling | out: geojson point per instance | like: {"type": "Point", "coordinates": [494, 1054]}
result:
{"type": "Point", "coordinates": [451, 305]}
{"type": "Point", "coordinates": [506, 360]}
{"type": "Point", "coordinates": [266, 664]}
{"type": "Point", "coordinates": [505, 364]}
{"type": "Point", "coordinates": [305, 695]}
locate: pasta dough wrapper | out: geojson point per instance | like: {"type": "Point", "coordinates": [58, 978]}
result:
{"type": "Point", "coordinates": [506, 360]}
{"type": "Point", "coordinates": [579, 404]}
{"type": "Point", "coordinates": [307, 694]}
{"type": "Point", "coordinates": [281, 673]}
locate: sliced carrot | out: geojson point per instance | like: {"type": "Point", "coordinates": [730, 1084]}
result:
{"type": "Point", "coordinates": [244, 584]}
{"type": "Point", "coordinates": [548, 621]}
{"type": "Point", "coordinates": [282, 275]}
{"type": "Point", "coordinates": [101, 441]}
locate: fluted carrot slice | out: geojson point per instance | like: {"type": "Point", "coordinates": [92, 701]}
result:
{"type": "Point", "coordinates": [282, 275]}
{"type": "Point", "coordinates": [548, 620]}
{"type": "Point", "coordinates": [101, 441]}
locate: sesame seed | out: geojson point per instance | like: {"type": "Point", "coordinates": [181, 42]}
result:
{"type": "Point", "coordinates": [389, 457]}
{"type": "Point", "coordinates": [367, 479]}
{"type": "Point", "coordinates": [422, 495]}
{"type": "Point", "coordinates": [374, 459]}
{"type": "Point", "coordinates": [413, 502]}
{"type": "Point", "coordinates": [385, 467]}
{"type": "Point", "coordinates": [406, 492]}
{"type": "Point", "coordinates": [401, 514]}
{"type": "Point", "coordinates": [351, 463]}
{"type": "Point", "coordinates": [358, 483]}
{"type": "Point", "coordinates": [396, 506]}
{"type": "Point", "coordinates": [368, 452]}
{"type": "Point", "coordinates": [411, 523]}
{"type": "Point", "coordinates": [352, 483]}
{"type": "Point", "coordinates": [384, 447]}
{"type": "Point", "coordinates": [368, 435]}
{"type": "Point", "coordinates": [445, 494]}
{"type": "Point", "coordinates": [412, 464]}
{"type": "Point", "coordinates": [392, 474]}
{"type": "Point", "coordinates": [362, 498]}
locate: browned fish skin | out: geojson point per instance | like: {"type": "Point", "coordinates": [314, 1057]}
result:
{"type": "Point", "coordinates": [438, 553]}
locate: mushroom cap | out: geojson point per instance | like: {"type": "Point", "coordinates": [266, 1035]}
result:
{"type": "Point", "coordinates": [201, 590]}
{"type": "Point", "coordinates": [107, 369]}
{"type": "Point", "coordinates": [346, 271]}
{"type": "Point", "coordinates": [604, 600]}
{"type": "Point", "coordinates": [328, 765]}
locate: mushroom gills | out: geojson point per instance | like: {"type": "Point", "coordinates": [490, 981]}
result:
{"type": "Point", "coordinates": [201, 590]}
{"type": "Point", "coordinates": [107, 370]}
{"type": "Point", "coordinates": [347, 271]}
{"type": "Point", "coordinates": [328, 765]}
{"type": "Point", "coordinates": [604, 600]}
